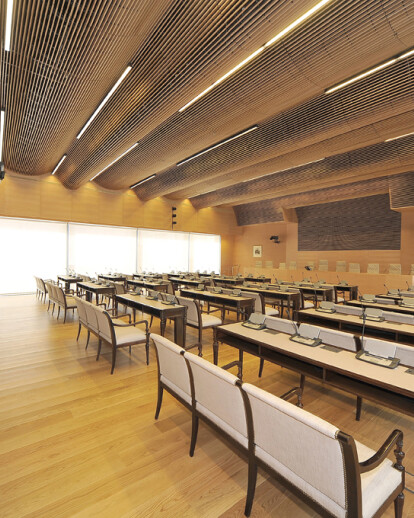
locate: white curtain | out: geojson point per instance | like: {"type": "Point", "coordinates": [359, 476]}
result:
{"type": "Point", "coordinates": [205, 253]}
{"type": "Point", "coordinates": [30, 248]}
{"type": "Point", "coordinates": [162, 251]}
{"type": "Point", "coordinates": [101, 249]}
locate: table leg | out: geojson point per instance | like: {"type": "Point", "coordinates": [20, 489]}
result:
{"type": "Point", "coordinates": [162, 324]}
{"type": "Point", "coordinates": [179, 330]}
{"type": "Point", "coordinates": [240, 366]}
{"type": "Point", "coordinates": [215, 346]}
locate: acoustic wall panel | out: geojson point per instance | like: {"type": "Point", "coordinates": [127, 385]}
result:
{"type": "Point", "coordinates": [359, 224]}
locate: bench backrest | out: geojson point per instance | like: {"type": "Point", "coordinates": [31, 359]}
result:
{"type": "Point", "coordinates": [172, 367]}
{"type": "Point", "coordinates": [300, 446]}
{"type": "Point", "coordinates": [218, 398]}
{"type": "Point", "coordinates": [80, 305]}
{"type": "Point", "coordinates": [281, 324]}
{"type": "Point", "coordinates": [258, 300]}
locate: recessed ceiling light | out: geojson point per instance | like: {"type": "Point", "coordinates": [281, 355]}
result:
{"type": "Point", "coordinates": [218, 145]}
{"type": "Point", "coordinates": [108, 95]}
{"type": "Point", "coordinates": [9, 15]}
{"type": "Point", "coordinates": [142, 181]}
{"type": "Point", "coordinates": [113, 161]}
{"type": "Point", "coordinates": [400, 136]}
{"type": "Point", "coordinates": [58, 164]}
{"type": "Point", "coordinates": [276, 38]}
{"type": "Point", "coordinates": [369, 72]}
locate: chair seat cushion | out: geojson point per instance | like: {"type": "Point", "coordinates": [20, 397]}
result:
{"type": "Point", "coordinates": [210, 320]}
{"type": "Point", "coordinates": [129, 334]}
{"type": "Point", "coordinates": [340, 299]}
{"type": "Point", "coordinates": [377, 484]}
{"type": "Point", "coordinates": [271, 312]}
{"type": "Point", "coordinates": [70, 302]}
{"type": "Point", "coordinates": [307, 304]}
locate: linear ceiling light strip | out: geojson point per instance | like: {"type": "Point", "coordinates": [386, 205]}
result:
{"type": "Point", "coordinates": [9, 15]}
{"type": "Point", "coordinates": [399, 136]}
{"type": "Point", "coordinates": [1, 134]}
{"type": "Point", "coordinates": [116, 160]}
{"type": "Point", "coordinates": [218, 145]}
{"type": "Point", "coordinates": [276, 38]}
{"type": "Point", "coordinates": [59, 164]}
{"type": "Point", "coordinates": [143, 181]}
{"type": "Point", "coordinates": [369, 72]}
{"type": "Point", "coordinates": [105, 100]}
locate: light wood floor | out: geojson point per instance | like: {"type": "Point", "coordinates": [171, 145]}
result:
{"type": "Point", "coordinates": [78, 442]}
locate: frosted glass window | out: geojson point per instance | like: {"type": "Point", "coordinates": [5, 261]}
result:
{"type": "Point", "coordinates": [205, 253]}
{"type": "Point", "coordinates": [162, 252]}
{"type": "Point", "coordinates": [30, 248]}
{"type": "Point", "coordinates": [101, 249]}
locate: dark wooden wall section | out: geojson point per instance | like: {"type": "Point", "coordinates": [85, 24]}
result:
{"type": "Point", "coordinates": [360, 224]}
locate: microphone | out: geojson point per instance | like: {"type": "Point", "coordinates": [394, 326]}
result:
{"type": "Point", "coordinates": [339, 280]}
{"type": "Point", "coordinates": [364, 319]}
{"type": "Point", "coordinates": [317, 277]}
{"type": "Point", "coordinates": [386, 288]}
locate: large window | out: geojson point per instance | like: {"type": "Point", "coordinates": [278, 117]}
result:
{"type": "Point", "coordinates": [162, 251]}
{"type": "Point", "coordinates": [47, 249]}
{"type": "Point", "coordinates": [205, 253]}
{"type": "Point", "coordinates": [30, 248]}
{"type": "Point", "coordinates": [101, 249]}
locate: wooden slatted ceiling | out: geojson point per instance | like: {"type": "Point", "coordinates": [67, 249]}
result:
{"type": "Point", "coordinates": [381, 159]}
{"type": "Point", "coordinates": [178, 49]}
{"type": "Point", "coordinates": [388, 93]}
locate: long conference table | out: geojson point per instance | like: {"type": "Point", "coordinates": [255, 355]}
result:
{"type": "Point", "coordinates": [393, 388]}
{"type": "Point", "coordinates": [158, 309]}
{"type": "Point", "coordinates": [289, 300]}
{"type": "Point", "coordinates": [384, 307]}
{"type": "Point", "coordinates": [394, 331]}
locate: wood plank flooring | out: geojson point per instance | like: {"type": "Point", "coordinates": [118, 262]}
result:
{"type": "Point", "coordinates": [78, 442]}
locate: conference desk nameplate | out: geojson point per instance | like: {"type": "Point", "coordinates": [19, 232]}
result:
{"type": "Point", "coordinates": [156, 308]}
{"type": "Point", "coordinates": [392, 387]}
{"type": "Point", "coordinates": [394, 331]}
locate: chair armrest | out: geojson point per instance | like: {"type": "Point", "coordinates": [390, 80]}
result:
{"type": "Point", "coordinates": [134, 324]}
{"type": "Point", "coordinates": [117, 315]}
{"type": "Point", "coordinates": [396, 437]}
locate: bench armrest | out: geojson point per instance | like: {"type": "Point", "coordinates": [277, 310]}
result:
{"type": "Point", "coordinates": [134, 324]}
{"type": "Point", "coordinates": [395, 438]}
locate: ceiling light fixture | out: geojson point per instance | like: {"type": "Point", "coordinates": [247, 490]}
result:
{"type": "Point", "coordinates": [400, 136]}
{"type": "Point", "coordinates": [108, 95]}
{"type": "Point", "coordinates": [1, 133]}
{"type": "Point", "coordinates": [369, 72]}
{"type": "Point", "coordinates": [282, 170]}
{"type": "Point", "coordinates": [113, 161]}
{"type": "Point", "coordinates": [59, 163]}
{"type": "Point", "coordinates": [276, 38]}
{"type": "Point", "coordinates": [218, 145]}
{"type": "Point", "coordinates": [8, 25]}
{"type": "Point", "coordinates": [142, 181]}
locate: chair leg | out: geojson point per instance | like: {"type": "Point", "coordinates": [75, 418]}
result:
{"type": "Point", "coordinates": [159, 400]}
{"type": "Point", "coordinates": [58, 313]}
{"type": "Point", "coordinates": [147, 351]}
{"type": "Point", "coordinates": [87, 340]}
{"type": "Point", "coordinates": [200, 342]}
{"type": "Point", "coordinates": [251, 487]}
{"type": "Point", "coordinates": [113, 359]}
{"type": "Point", "coordinates": [64, 317]}
{"type": "Point", "coordinates": [48, 306]}
{"type": "Point", "coordinates": [79, 330]}
{"type": "Point", "coordinates": [152, 318]}
{"type": "Point", "coordinates": [194, 432]}
{"type": "Point", "coordinates": [358, 408]}
{"type": "Point", "coordinates": [398, 505]}
{"type": "Point", "coordinates": [99, 350]}
{"type": "Point", "coordinates": [261, 367]}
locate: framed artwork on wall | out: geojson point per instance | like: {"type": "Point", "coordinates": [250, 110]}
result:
{"type": "Point", "coordinates": [257, 250]}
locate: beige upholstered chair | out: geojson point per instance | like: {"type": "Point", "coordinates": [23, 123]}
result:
{"type": "Point", "coordinates": [282, 266]}
{"type": "Point", "coordinates": [412, 269]}
{"type": "Point", "coordinates": [41, 289]}
{"type": "Point", "coordinates": [59, 298]}
{"type": "Point", "coordinates": [173, 374]}
{"type": "Point", "coordinates": [323, 265]}
{"type": "Point", "coordinates": [394, 269]}
{"type": "Point", "coordinates": [354, 267]}
{"type": "Point", "coordinates": [341, 266]}
{"type": "Point", "coordinates": [218, 399]}
{"type": "Point", "coordinates": [343, 477]}
{"type": "Point", "coordinates": [292, 265]}
{"type": "Point", "coordinates": [373, 268]}
{"type": "Point", "coordinates": [259, 303]}
{"type": "Point", "coordinates": [119, 335]}
{"type": "Point", "coordinates": [198, 320]}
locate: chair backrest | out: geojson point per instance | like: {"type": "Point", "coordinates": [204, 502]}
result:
{"type": "Point", "coordinates": [281, 324]}
{"type": "Point", "coordinates": [218, 397]}
{"type": "Point", "coordinates": [404, 352]}
{"type": "Point", "coordinates": [323, 265]}
{"type": "Point", "coordinates": [354, 267]}
{"type": "Point", "coordinates": [394, 269]}
{"type": "Point", "coordinates": [170, 288]}
{"type": "Point", "coordinates": [172, 367]}
{"type": "Point", "coordinates": [373, 268]}
{"type": "Point", "coordinates": [105, 325]}
{"type": "Point", "coordinates": [259, 306]}
{"type": "Point", "coordinates": [80, 305]}
{"type": "Point", "coordinates": [91, 316]}
{"type": "Point", "coordinates": [51, 290]}
{"type": "Point", "coordinates": [282, 266]}
{"type": "Point", "coordinates": [60, 295]}
{"type": "Point", "coordinates": [341, 266]}
{"type": "Point", "coordinates": [164, 276]}
{"type": "Point", "coordinates": [338, 339]}
{"type": "Point", "coordinates": [390, 302]}
{"type": "Point", "coordinates": [301, 446]}
{"type": "Point", "coordinates": [292, 265]}
{"type": "Point", "coordinates": [193, 310]}
{"type": "Point", "coordinates": [412, 269]}
{"type": "Point", "coordinates": [119, 288]}
{"type": "Point", "coordinates": [400, 318]}
{"type": "Point", "coordinates": [348, 310]}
